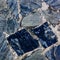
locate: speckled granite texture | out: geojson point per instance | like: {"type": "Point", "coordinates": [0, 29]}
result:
{"type": "Point", "coordinates": [29, 29]}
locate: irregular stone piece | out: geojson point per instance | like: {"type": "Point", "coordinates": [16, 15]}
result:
{"type": "Point", "coordinates": [2, 24]}
{"type": "Point", "coordinates": [22, 42]}
{"type": "Point", "coordinates": [58, 29]}
{"type": "Point", "coordinates": [57, 52]}
{"type": "Point", "coordinates": [27, 6]}
{"type": "Point", "coordinates": [52, 16]}
{"type": "Point", "coordinates": [36, 56]}
{"type": "Point", "coordinates": [12, 4]}
{"type": "Point", "coordinates": [32, 20]}
{"type": "Point", "coordinates": [45, 35]}
{"type": "Point", "coordinates": [4, 12]}
{"type": "Point", "coordinates": [50, 54]}
{"type": "Point", "coordinates": [15, 44]}
{"type": "Point", "coordinates": [9, 56]}
{"type": "Point", "coordinates": [2, 4]}
{"type": "Point", "coordinates": [53, 53]}
{"type": "Point", "coordinates": [53, 3]}
{"type": "Point", "coordinates": [11, 25]}
{"type": "Point", "coordinates": [4, 49]}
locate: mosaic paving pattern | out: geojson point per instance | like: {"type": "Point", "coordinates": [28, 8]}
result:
{"type": "Point", "coordinates": [29, 29]}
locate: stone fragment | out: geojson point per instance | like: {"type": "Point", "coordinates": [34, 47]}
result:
{"type": "Point", "coordinates": [4, 49]}
{"type": "Point", "coordinates": [11, 26]}
{"type": "Point", "coordinates": [36, 56]}
{"type": "Point", "coordinates": [22, 42]}
{"type": "Point", "coordinates": [2, 24]}
{"type": "Point", "coordinates": [32, 20]}
{"type": "Point", "coordinates": [28, 6]}
{"type": "Point", "coordinates": [52, 16]}
{"type": "Point", "coordinates": [12, 5]}
{"type": "Point", "coordinates": [53, 53]}
{"type": "Point", "coordinates": [53, 3]}
{"type": "Point", "coordinates": [45, 35]}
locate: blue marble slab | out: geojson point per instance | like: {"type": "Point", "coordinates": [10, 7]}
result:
{"type": "Point", "coordinates": [15, 45]}
{"type": "Point", "coordinates": [4, 49]}
{"type": "Point", "coordinates": [22, 42]}
{"type": "Point", "coordinates": [11, 25]}
{"type": "Point", "coordinates": [27, 6]}
{"type": "Point", "coordinates": [57, 52]}
{"type": "Point", "coordinates": [25, 10]}
{"type": "Point", "coordinates": [53, 53]}
{"type": "Point", "coordinates": [12, 5]}
{"type": "Point", "coordinates": [45, 34]}
{"type": "Point", "coordinates": [50, 54]}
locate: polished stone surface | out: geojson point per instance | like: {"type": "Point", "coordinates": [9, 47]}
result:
{"type": "Point", "coordinates": [32, 20]}
{"type": "Point", "coordinates": [45, 34]}
{"type": "Point", "coordinates": [22, 42]}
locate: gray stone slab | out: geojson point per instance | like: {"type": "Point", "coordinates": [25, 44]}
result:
{"type": "Point", "coordinates": [53, 3]}
{"type": "Point", "coordinates": [52, 16]}
{"type": "Point", "coordinates": [36, 56]}
{"type": "Point", "coordinates": [32, 20]}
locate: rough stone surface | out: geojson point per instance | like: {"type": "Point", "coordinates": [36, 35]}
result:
{"type": "Point", "coordinates": [53, 3]}
{"type": "Point", "coordinates": [32, 20]}
{"type": "Point", "coordinates": [16, 15]}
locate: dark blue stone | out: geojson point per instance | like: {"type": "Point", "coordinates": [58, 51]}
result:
{"type": "Point", "coordinates": [45, 33]}
{"type": "Point", "coordinates": [25, 10]}
{"type": "Point", "coordinates": [57, 52]}
{"type": "Point", "coordinates": [14, 45]}
{"type": "Point", "coordinates": [50, 54]}
{"type": "Point", "coordinates": [53, 53]}
{"type": "Point", "coordinates": [25, 42]}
